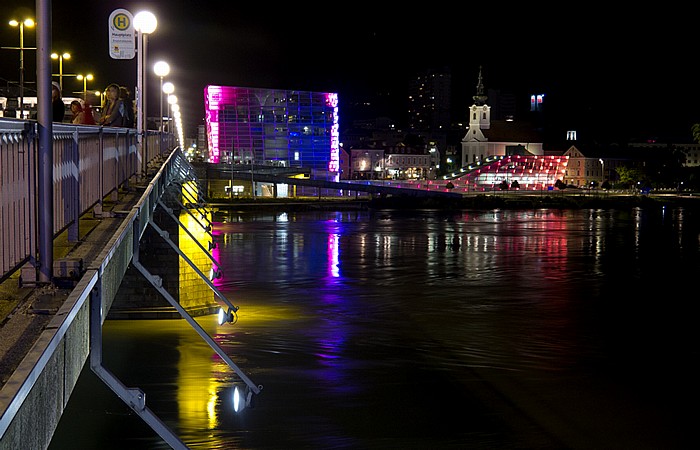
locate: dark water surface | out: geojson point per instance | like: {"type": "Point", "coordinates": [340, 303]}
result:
{"type": "Point", "coordinates": [424, 330]}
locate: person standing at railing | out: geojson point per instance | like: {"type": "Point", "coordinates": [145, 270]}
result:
{"type": "Point", "coordinates": [82, 115]}
{"type": "Point", "coordinates": [129, 114]}
{"type": "Point", "coordinates": [59, 108]}
{"type": "Point", "coordinates": [114, 111]}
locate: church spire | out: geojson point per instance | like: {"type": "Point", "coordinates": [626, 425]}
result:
{"type": "Point", "coordinates": [480, 98]}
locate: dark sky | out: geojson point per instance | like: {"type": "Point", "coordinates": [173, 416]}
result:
{"type": "Point", "coordinates": [634, 67]}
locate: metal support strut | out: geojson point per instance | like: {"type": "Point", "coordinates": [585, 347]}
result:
{"type": "Point", "coordinates": [135, 398]}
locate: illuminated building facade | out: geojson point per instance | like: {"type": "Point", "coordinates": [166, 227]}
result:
{"type": "Point", "coordinates": [274, 127]}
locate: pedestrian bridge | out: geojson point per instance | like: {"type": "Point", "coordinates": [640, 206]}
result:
{"type": "Point", "coordinates": [64, 280]}
{"type": "Point", "coordinates": [74, 212]}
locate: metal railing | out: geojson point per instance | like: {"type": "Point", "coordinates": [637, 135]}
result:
{"type": "Point", "coordinates": [90, 164]}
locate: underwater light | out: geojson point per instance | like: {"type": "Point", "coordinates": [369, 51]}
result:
{"type": "Point", "coordinates": [241, 402]}
{"type": "Point", "coordinates": [225, 316]}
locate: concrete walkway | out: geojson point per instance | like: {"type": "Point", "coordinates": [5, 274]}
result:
{"type": "Point", "coordinates": [25, 311]}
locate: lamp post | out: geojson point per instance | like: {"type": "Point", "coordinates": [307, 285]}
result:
{"type": "Point", "coordinates": [29, 23]}
{"type": "Point", "coordinates": [84, 79]}
{"type": "Point", "coordinates": [101, 96]}
{"type": "Point", "coordinates": [168, 89]}
{"type": "Point", "coordinates": [602, 170]}
{"type": "Point", "coordinates": [175, 111]}
{"type": "Point", "coordinates": [145, 23]}
{"type": "Point", "coordinates": [161, 69]}
{"type": "Point", "coordinates": [60, 58]}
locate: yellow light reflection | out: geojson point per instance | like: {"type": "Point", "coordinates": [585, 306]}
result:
{"type": "Point", "coordinates": [196, 393]}
{"type": "Point", "coordinates": [195, 294]}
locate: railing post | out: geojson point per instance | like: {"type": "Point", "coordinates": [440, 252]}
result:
{"type": "Point", "coordinates": [74, 191]}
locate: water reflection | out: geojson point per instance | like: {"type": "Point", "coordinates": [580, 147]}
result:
{"type": "Point", "coordinates": [486, 329]}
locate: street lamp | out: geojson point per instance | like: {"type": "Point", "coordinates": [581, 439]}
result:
{"type": "Point", "coordinates": [168, 88]}
{"type": "Point", "coordinates": [145, 23]}
{"type": "Point", "coordinates": [60, 58]}
{"type": "Point", "coordinates": [29, 23]}
{"type": "Point", "coordinates": [101, 96]}
{"type": "Point", "coordinates": [602, 169]}
{"type": "Point", "coordinates": [84, 79]}
{"type": "Point", "coordinates": [161, 68]}
{"type": "Point", "coordinates": [172, 100]}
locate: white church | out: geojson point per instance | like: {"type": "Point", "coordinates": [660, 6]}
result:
{"type": "Point", "coordinates": [486, 138]}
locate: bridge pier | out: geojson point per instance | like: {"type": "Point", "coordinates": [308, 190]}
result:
{"type": "Point", "coordinates": [138, 299]}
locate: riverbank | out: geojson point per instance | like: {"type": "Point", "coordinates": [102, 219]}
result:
{"type": "Point", "coordinates": [478, 201]}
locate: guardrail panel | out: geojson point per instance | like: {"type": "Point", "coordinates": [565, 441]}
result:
{"type": "Point", "coordinates": [89, 163]}
{"type": "Point", "coordinates": [17, 220]}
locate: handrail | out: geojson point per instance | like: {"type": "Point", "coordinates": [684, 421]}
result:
{"type": "Point", "coordinates": [90, 164]}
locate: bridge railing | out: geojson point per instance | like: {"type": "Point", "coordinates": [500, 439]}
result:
{"type": "Point", "coordinates": [90, 163]}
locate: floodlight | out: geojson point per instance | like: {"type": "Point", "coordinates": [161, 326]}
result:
{"type": "Point", "coordinates": [225, 316]}
{"type": "Point", "coordinates": [242, 401]}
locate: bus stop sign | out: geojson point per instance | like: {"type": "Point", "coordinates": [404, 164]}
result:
{"type": "Point", "coordinates": [122, 36]}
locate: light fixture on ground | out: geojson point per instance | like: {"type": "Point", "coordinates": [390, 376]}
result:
{"type": "Point", "coordinates": [161, 69]}
{"type": "Point", "coordinates": [60, 57]}
{"type": "Point", "coordinates": [29, 23]}
{"type": "Point", "coordinates": [85, 79]}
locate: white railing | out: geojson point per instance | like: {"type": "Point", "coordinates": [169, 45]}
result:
{"type": "Point", "coordinates": [90, 163]}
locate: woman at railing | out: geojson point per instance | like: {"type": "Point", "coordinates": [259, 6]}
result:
{"type": "Point", "coordinates": [82, 115]}
{"type": "Point", "coordinates": [114, 110]}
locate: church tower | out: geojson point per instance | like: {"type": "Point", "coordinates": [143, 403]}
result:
{"type": "Point", "coordinates": [480, 112]}
{"type": "Point", "coordinates": [474, 142]}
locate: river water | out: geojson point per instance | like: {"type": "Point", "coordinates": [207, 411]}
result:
{"type": "Point", "coordinates": [423, 330]}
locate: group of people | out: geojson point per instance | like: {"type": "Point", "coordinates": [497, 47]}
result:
{"type": "Point", "coordinates": [117, 109]}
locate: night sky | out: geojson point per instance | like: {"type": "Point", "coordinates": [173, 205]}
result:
{"type": "Point", "coordinates": [633, 68]}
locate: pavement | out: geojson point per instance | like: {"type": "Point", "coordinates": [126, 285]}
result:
{"type": "Point", "coordinates": [25, 311]}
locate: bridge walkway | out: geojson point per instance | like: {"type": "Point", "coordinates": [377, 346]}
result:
{"type": "Point", "coordinates": [50, 330]}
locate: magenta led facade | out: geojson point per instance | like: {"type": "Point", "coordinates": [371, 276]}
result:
{"type": "Point", "coordinates": [274, 127]}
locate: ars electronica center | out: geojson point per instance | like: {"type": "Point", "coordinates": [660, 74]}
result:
{"type": "Point", "coordinates": [274, 127]}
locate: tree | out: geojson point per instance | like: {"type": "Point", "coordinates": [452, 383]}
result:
{"type": "Point", "coordinates": [695, 129]}
{"type": "Point", "coordinates": [504, 185]}
{"type": "Point", "coordinates": [629, 176]}
{"type": "Point", "coordinates": [515, 185]}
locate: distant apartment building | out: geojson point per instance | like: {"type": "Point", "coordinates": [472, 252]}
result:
{"type": "Point", "coordinates": [274, 127]}
{"type": "Point", "coordinates": [429, 101]}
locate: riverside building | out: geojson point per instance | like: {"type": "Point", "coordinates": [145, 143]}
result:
{"type": "Point", "coordinates": [274, 127]}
